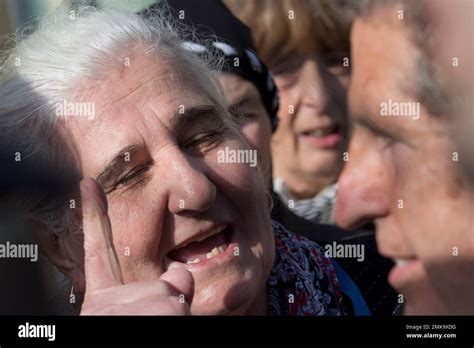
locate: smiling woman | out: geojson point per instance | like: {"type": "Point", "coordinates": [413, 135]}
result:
{"type": "Point", "coordinates": [306, 46]}
{"type": "Point", "coordinates": [166, 227]}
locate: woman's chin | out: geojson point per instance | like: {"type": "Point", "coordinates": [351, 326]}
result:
{"type": "Point", "coordinates": [232, 290]}
{"type": "Point", "coordinates": [322, 164]}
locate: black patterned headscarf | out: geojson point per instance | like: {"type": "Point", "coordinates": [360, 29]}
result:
{"type": "Point", "coordinates": [233, 39]}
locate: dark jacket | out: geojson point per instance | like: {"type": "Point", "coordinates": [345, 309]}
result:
{"type": "Point", "coordinates": [368, 276]}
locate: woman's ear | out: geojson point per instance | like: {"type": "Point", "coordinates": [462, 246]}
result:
{"type": "Point", "coordinates": [57, 250]}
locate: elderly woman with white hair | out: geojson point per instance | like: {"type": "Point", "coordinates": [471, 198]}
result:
{"type": "Point", "coordinates": [165, 225]}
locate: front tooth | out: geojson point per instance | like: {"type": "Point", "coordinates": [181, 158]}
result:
{"type": "Point", "coordinates": [317, 133]}
{"type": "Point", "coordinates": [196, 260]}
{"type": "Point", "coordinates": [209, 255]}
{"type": "Point", "coordinates": [221, 248]}
{"type": "Point", "coordinates": [400, 262]}
{"type": "Point", "coordinates": [215, 251]}
{"type": "Point", "coordinates": [322, 132]}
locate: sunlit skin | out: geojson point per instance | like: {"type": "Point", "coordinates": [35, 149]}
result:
{"type": "Point", "coordinates": [312, 96]}
{"type": "Point", "coordinates": [175, 186]}
{"type": "Point", "coordinates": [401, 174]}
{"type": "Point", "coordinates": [244, 98]}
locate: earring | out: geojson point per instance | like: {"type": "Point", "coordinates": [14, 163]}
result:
{"type": "Point", "coordinates": [72, 297]}
{"type": "Point", "coordinates": [270, 200]}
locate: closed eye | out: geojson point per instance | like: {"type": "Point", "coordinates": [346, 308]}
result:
{"type": "Point", "coordinates": [202, 142]}
{"type": "Point", "coordinates": [132, 178]}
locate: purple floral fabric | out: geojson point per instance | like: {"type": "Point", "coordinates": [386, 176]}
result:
{"type": "Point", "coordinates": [302, 281]}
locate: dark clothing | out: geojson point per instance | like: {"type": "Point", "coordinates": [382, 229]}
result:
{"type": "Point", "coordinates": [231, 38]}
{"type": "Point", "coordinates": [370, 275]}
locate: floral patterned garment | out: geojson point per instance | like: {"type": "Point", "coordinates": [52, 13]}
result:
{"type": "Point", "coordinates": [302, 281]}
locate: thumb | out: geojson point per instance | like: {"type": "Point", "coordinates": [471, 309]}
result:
{"type": "Point", "coordinates": [181, 281]}
{"type": "Point", "coordinates": [101, 266]}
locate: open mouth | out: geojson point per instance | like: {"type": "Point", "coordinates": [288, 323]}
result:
{"type": "Point", "coordinates": [210, 245]}
{"type": "Point", "coordinates": [323, 132]}
{"type": "Point", "coordinates": [403, 270]}
{"type": "Point", "coordinates": [326, 137]}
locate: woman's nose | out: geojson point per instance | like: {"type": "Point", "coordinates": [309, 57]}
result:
{"type": "Point", "coordinates": [190, 189]}
{"type": "Point", "coordinates": [313, 90]}
{"type": "Point", "coordinates": [363, 192]}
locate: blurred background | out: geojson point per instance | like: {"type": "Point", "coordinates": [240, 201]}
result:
{"type": "Point", "coordinates": [15, 13]}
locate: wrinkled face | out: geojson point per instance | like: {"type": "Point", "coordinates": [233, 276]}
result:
{"type": "Point", "coordinates": [402, 174]}
{"type": "Point", "coordinates": [154, 147]}
{"type": "Point", "coordinates": [311, 134]}
{"type": "Point", "coordinates": [245, 104]}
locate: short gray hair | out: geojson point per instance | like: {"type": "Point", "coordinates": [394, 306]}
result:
{"type": "Point", "coordinates": [43, 68]}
